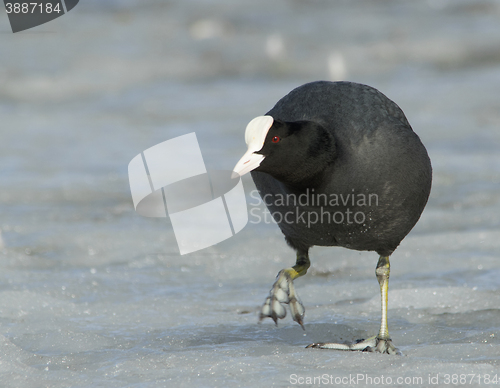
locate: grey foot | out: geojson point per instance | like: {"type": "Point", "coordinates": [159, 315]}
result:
{"type": "Point", "coordinates": [283, 292]}
{"type": "Point", "coordinates": [372, 344]}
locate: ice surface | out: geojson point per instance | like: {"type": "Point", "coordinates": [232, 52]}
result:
{"type": "Point", "coordinates": [94, 295]}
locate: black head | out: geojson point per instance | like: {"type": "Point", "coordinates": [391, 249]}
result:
{"type": "Point", "coordinates": [292, 152]}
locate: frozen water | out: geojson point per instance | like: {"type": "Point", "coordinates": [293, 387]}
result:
{"type": "Point", "coordinates": [92, 294]}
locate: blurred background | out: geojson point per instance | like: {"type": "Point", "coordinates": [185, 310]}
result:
{"type": "Point", "coordinates": [93, 293]}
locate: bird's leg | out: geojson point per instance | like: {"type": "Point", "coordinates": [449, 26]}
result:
{"type": "Point", "coordinates": [283, 291]}
{"type": "Point", "coordinates": [380, 343]}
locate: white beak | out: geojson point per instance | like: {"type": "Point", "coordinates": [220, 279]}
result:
{"type": "Point", "coordinates": [255, 135]}
{"type": "Point", "coordinates": [250, 161]}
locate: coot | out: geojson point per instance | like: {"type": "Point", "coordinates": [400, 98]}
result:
{"type": "Point", "coordinates": [337, 164]}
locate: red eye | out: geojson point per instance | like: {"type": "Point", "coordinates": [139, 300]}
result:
{"type": "Point", "coordinates": [276, 139]}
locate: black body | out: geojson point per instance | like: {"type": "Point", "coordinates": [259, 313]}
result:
{"type": "Point", "coordinates": [336, 140]}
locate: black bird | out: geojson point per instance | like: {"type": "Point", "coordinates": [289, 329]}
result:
{"type": "Point", "coordinates": [337, 164]}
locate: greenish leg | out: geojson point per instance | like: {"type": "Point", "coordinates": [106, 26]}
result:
{"type": "Point", "coordinates": [283, 292]}
{"type": "Point", "coordinates": [301, 266]}
{"type": "Point", "coordinates": [380, 343]}
{"type": "Point", "coordinates": [382, 271]}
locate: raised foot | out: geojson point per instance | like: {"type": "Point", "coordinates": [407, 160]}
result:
{"type": "Point", "coordinates": [372, 344]}
{"type": "Point", "coordinates": [283, 292]}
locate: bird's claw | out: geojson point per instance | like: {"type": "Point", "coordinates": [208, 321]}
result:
{"type": "Point", "coordinates": [283, 292]}
{"type": "Point", "coordinates": [372, 344]}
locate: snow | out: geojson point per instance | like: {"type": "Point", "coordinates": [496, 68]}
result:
{"type": "Point", "coordinates": [93, 294]}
